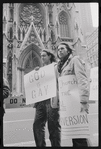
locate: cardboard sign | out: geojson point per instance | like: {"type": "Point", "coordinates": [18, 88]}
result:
{"type": "Point", "coordinates": [40, 85]}
{"type": "Point", "coordinates": [74, 124]}
{"type": "Point", "coordinates": [94, 84]}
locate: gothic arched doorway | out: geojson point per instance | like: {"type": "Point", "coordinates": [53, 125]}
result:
{"type": "Point", "coordinates": [29, 59]}
{"type": "Point", "coordinates": [31, 62]}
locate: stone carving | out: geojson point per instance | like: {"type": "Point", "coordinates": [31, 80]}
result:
{"type": "Point", "coordinates": [30, 13]}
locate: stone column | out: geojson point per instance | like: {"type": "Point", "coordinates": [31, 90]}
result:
{"type": "Point", "coordinates": [14, 74]}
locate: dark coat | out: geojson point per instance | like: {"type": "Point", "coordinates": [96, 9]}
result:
{"type": "Point", "coordinates": [6, 91]}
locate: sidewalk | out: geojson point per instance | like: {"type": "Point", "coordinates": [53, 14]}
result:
{"type": "Point", "coordinates": [32, 143]}
{"type": "Point", "coordinates": [67, 143]}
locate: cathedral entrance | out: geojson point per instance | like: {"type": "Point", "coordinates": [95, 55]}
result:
{"type": "Point", "coordinates": [29, 59]}
{"type": "Point", "coordinates": [32, 61]}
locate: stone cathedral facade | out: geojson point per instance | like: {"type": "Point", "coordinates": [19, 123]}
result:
{"type": "Point", "coordinates": [29, 27]}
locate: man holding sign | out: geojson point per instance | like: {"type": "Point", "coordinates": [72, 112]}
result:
{"type": "Point", "coordinates": [48, 109]}
{"type": "Point", "coordinates": [74, 69]}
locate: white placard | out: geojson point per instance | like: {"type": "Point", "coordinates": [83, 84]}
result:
{"type": "Point", "coordinates": [74, 124]}
{"type": "Point", "coordinates": [40, 85]}
{"type": "Point", "coordinates": [94, 84]}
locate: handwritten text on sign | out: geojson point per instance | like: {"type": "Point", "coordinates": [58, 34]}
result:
{"type": "Point", "coordinates": [74, 124]}
{"type": "Point", "coordinates": [40, 85]}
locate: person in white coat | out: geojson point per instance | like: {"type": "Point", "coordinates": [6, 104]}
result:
{"type": "Point", "coordinates": [74, 65]}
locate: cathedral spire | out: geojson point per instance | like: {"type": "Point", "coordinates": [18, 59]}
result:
{"type": "Point", "coordinates": [32, 33]}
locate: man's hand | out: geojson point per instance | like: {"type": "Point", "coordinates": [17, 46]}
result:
{"type": "Point", "coordinates": [84, 107]}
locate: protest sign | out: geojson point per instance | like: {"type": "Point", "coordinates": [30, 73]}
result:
{"type": "Point", "coordinates": [94, 84]}
{"type": "Point", "coordinates": [74, 124]}
{"type": "Point", "coordinates": [40, 85]}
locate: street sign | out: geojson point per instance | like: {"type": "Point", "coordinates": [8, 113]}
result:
{"type": "Point", "coordinates": [14, 102]}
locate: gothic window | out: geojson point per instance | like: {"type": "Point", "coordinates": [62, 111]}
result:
{"type": "Point", "coordinates": [52, 36]}
{"type": "Point", "coordinates": [41, 34]}
{"type": "Point", "coordinates": [11, 14]}
{"type": "Point", "coordinates": [10, 33]}
{"type": "Point", "coordinates": [19, 33]}
{"type": "Point", "coordinates": [50, 18]}
{"type": "Point", "coordinates": [44, 35]}
{"type": "Point", "coordinates": [63, 24]}
{"type": "Point", "coordinates": [23, 33]}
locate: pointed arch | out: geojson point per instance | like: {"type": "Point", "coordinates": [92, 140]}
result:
{"type": "Point", "coordinates": [63, 23]}
{"type": "Point", "coordinates": [26, 51]}
{"type": "Point", "coordinates": [28, 60]}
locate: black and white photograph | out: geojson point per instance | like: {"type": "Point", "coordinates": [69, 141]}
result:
{"type": "Point", "coordinates": [50, 74]}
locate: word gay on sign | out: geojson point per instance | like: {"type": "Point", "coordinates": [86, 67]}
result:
{"type": "Point", "coordinates": [74, 124]}
{"type": "Point", "coordinates": [40, 85]}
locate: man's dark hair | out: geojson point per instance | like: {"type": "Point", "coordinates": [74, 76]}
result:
{"type": "Point", "coordinates": [67, 47]}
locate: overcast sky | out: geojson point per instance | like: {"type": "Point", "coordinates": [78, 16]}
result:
{"type": "Point", "coordinates": [95, 13]}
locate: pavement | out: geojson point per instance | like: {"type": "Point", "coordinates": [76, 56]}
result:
{"type": "Point", "coordinates": [18, 122]}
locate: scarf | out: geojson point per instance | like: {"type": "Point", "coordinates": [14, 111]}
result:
{"type": "Point", "coordinates": [61, 62]}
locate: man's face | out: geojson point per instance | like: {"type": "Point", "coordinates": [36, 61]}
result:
{"type": "Point", "coordinates": [45, 58]}
{"type": "Point", "coordinates": [62, 51]}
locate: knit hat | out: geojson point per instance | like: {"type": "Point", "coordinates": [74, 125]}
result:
{"type": "Point", "coordinates": [53, 58]}
{"type": "Point", "coordinates": [48, 51]}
